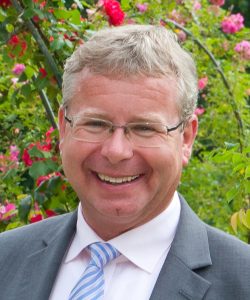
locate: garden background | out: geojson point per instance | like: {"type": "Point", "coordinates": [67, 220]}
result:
{"type": "Point", "coordinates": [35, 39]}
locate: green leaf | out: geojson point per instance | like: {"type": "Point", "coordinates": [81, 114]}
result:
{"type": "Point", "coordinates": [57, 44]}
{"type": "Point", "coordinates": [14, 225]}
{"type": "Point", "coordinates": [26, 90]}
{"type": "Point", "coordinates": [54, 183]}
{"type": "Point", "coordinates": [239, 168]}
{"type": "Point", "coordinates": [40, 197]}
{"type": "Point", "coordinates": [69, 43]}
{"type": "Point", "coordinates": [247, 186]}
{"type": "Point", "coordinates": [84, 3]}
{"type": "Point", "coordinates": [234, 221]}
{"type": "Point", "coordinates": [248, 218]}
{"type": "Point", "coordinates": [11, 173]}
{"type": "Point", "coordinates": [247, 172]}
{"type": "Point", "coordinates": [230, 195]}
{"type": "Point", "coordinates": [35, 152]}
{"type": "Point", "coordinates": [10, 28]}
{"type": "Point", "coordinates": [28, 3]}
{"type": "Point", "coordinates": [29, 71]}
{"type": "Point", "coordinates": [125, 4]}
{"type": "Point", "coordinates": [39, 13]}
{"type": "Point", "coordinates": [40, 168]}
{"type": "Point", "coordinates": [3, 15]}
{"type": "Point", "coordinates": [243, 218]}
{"type": "Point", "coordinates": [62, 14]}
{"type": "Point", "coordinates": [75, 17]}
{"type": "Point", "coordinates": [237, 158]}
{"type": "Point", "coordinates": [29, 13]}
{"type": "Point", "coordinates": [24, 208]}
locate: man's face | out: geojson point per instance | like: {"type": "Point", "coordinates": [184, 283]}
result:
{"type": "Point", "coordinates": [150, 175]}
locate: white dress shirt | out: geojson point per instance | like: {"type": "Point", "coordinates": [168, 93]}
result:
{"type": "Point", "coordinates": [134, 273]}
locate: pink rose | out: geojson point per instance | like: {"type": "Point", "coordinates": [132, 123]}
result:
{"type": "Point", "coordinates": [202, 83]}
{"type": "Point", "coordinates": [243, 48]}
{"type": "Point", "coordinates": [142, 7]}
{"type": "Point", "coordinates": [199, 111]}
{"type": "Point", "coordinates": [197, 5]}
{"type": "Point", "coordinates": [18, 69]}
{"type": "Point", "coordinates": [8, 211]}
{"type": "Point", "coordinates": [14, 152]}
{"type": "Point", "coordinates": [177, 17]}
{"type": "Point", "coordinates": [232, 23]}
{"type": "Point", "coordinates": [181, 36]}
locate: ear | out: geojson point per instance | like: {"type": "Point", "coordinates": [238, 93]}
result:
{"type": "Point", "coordinates": [189, 134]}
{"type": "Point", "coordinates": [62, 124]}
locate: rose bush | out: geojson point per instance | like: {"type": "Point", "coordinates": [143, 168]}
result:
{"type": "Point", "coordinates": [37, 36]}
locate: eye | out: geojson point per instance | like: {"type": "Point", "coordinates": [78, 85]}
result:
{"type": "Point", "coordinates": [92, 125]}
{"type": "Point", "coordinates": [144, 129]}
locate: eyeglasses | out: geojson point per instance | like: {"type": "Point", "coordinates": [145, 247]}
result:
{"type": "Point", "coordinates": [141, 134]}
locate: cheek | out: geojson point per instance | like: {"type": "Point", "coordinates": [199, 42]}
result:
{"type": "Point", "coordinates": [166, 164]}
{"type": "Point", "coordinates": [73, 155]}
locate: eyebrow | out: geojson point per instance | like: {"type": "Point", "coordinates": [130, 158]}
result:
{"type": "Point", "coordinates": [92, 113]}
{"type": "Point", "coordinates": [144, 117]}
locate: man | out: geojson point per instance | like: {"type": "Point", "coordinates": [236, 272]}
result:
{"type": "Point", "coordinates": [127, 126]}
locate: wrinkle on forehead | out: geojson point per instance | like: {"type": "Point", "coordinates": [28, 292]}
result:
{"type": "Point", "coordinates": [88, 82]}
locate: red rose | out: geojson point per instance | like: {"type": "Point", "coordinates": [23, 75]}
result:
{"type": "Point", "coordinates": [5, 3]}
{"type": "Point", "coordinates": [113, 10]}
{"type": "Point", "coordinates": [36, 218]}
{"type": "Point", "coordinates": [43, 72]}
{"type": "Point", "coordinates": [26, 158]}
{"type": "Point", "coordinates": [50, 213]}
{"type": "Point", "coordinates": [14, 40]}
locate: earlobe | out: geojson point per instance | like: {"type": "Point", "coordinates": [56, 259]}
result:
{"type": "Point", "coordinates": [189, 135]}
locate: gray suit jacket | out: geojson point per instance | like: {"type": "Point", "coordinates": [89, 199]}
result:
{"type": "Point", "coordinates": [203, 262]}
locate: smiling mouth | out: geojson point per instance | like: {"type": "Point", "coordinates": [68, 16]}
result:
{"type": "Point", "coordinates": [117, 180]}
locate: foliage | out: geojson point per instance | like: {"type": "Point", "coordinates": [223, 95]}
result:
{"type": "Point", "coordinates": [37, 36]}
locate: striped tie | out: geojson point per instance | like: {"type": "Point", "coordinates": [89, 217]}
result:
{"type": "Point", "coordinates": [91, 284]}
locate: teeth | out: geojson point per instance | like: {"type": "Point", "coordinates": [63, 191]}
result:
{"type": "Point", "coordinates": [116, 180]}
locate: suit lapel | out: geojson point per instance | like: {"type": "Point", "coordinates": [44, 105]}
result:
{"type": "Point", "coordinates": [189, 251]}
{"type": "Point", "coordinates": [40, 268]}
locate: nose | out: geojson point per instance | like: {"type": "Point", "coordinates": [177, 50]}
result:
{"type": "Point", "coordinates": [117, 147]}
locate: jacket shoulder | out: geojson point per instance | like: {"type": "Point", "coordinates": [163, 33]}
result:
{"type": "Point", "coordinates": [227, 244]}
{"type": "Point", "coordinates": [19, 237]}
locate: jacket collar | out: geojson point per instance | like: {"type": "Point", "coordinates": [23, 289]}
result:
{"type": "Point", "coordinates": [189, 251]}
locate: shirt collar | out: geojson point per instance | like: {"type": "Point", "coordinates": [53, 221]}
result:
{"type": "Point", "coordinates": [143, 245]}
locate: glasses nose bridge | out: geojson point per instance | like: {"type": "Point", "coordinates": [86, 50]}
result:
{"type": "Point", "coordinates": [124, 127]}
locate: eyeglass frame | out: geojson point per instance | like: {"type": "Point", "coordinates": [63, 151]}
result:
{"type": "Point", "coordinates": [124, 127]}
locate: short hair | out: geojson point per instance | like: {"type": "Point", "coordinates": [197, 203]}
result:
{"type": "Point", "coordinates": [135, 50]}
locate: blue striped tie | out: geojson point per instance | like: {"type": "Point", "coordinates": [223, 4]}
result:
{"type": "Point", "coordinates": [91, 284]}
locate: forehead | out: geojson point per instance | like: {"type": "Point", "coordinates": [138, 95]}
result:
{"type": "Point", "coordinates": [134, 95]}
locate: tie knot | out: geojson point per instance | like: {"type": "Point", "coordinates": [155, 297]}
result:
{"type": "Point", "coordinates": [102, 253]}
